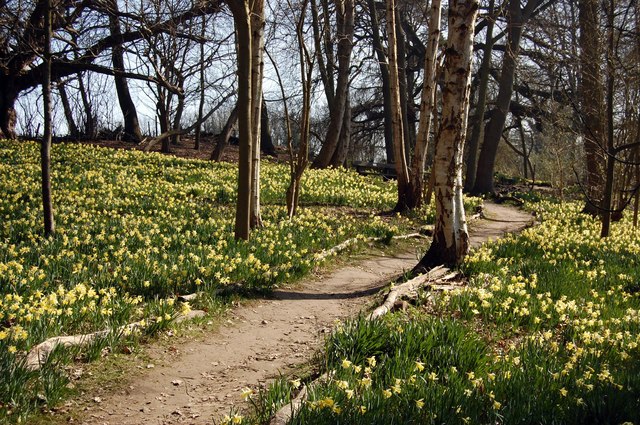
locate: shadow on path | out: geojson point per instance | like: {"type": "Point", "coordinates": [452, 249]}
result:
{"type": "Point", "coordinates": [293, 295]}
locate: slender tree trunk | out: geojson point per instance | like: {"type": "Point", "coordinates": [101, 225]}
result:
{"type": "Point", "coordinates": [90, 124]}
{"type": "Point", "coordinates": [266, 141]}
{"type": "Point", "coordinates": [384, 77]}
{"type": "Point", "coordinates": [345, 25]}
{"type": "Point", "coordinates": [592, 101]}
{"type": "Point", "coordinates": [405, 96]}
{"type": "Point", "coordinates": [299, 160]}
{"type": "Point", "coordinates": [342, 150]}
{"type": "Point", "coordinates": [257, 66]}
{"type": "Point", "coordinates": [402, 172]}
{"type": "Point", "coordinates": [198, 135]}
{"type": "Point", "coordinates": [607, 203]}
{"type": "Point", "coordinates": [523, 142]}
{"type": "Point", "coordinates": [68, 113]}
{"type": "Point", "coordinates": [45, 147]}
{"type": "Point", "coordinates": [177, 119]}
{"type": "Point", "coordinates": [222, 138]}
{"type": "Point", "coordinates": [428, 196]}
{"type": "Point", "coordinates": [478, 120]}
{"type": "Point", "coordinates": [241, 17]}
{"type": "Point", "coordinates": [636, 153]}
{"type": "Point", "coordinates": [132, 131]}
{"type": "Point", "coordinates": [636, 202]}
{"type": "Point", "coordinates": [163, 107]}
{"type": "Point", "coordinates": [427, 102]}
{"type": "Point", "coordinates": [321, 33]}
{"type": "Point", "coordinates": [493, 130]}
{"type": "Point", "coordinates": [450, 238]}
{"type": "Point", "coordinates": [8, 97]}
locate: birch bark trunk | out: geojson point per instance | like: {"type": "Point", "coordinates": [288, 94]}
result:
{"type": "Point", "coordinates": [45, 147]}
{"type": "Point", "coordinates": [257, 66]}
{"type": "Point", "coordinates": [450, 238]}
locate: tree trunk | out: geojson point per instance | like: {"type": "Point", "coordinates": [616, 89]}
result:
{"type": "Point", "coordinates": [450, 238]}
{"type": "Point", "coordinates": [345, 26]}
{"type": "Point", "coordinates": [342, 150]}
{"type": "Point", "coordinates": [162, 112]}
{"type": "Point", "coordinates": [607, 203]}
{"type": "Point", "coordinates": [222, 138]}
{"type": "Point", "coordinates": [320, 32]}
{"type": "Point", "coordinates": [68, 113]}
{"type": "Point", "coordinates": [493, 130]}
{"type": "Point", "coordinates": [402, 172]}
{"type": "Point", "coordinates": [45, 147]}
{"type": "Point", "coordinates": [478, 120]}
{"type": "Point", "coordinates": [241, 17]}
{"type": "Point", "coordinates": [299, 160]}
{"type": "Point", "coordinates": [257, 66]}
{"type": "Point", "coordinates": [427, 103]}
{"type": "Point", "coordinates": [636, 151]}
{"type": "Point", "coordinates": [132, 131]}
{"type": "Point", "coordinates": [198, 134]}
{"type": "Point", "coordinates": [592, 101]}
{"type": "Point", "coordinates": [636, 202]}
{"type": "Point", "coordinates": [384, 77]}
{"type": "Point", "coordinates": [8, 98]}
{"type": "Point", "coordinates": [406, 96]}
{"type": "Point", "coordinates": [177, 119]}
{"type": "Point", "coordinates": [90, 124]}
{"type": "Point", "coordinates": [266, 141]}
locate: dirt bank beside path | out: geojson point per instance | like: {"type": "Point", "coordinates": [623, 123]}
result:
{"type": "Point", "coordinates": [262, 339]}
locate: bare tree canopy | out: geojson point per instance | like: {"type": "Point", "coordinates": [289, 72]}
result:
{"type": "Point", "coordinates": [81, 40]}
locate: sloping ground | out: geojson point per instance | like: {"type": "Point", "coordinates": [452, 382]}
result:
{"type": "Point", "coordinates": [262, 339]}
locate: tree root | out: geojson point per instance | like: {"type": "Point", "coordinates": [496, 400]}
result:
{"type": "Point", "coordinates": [38, 355]}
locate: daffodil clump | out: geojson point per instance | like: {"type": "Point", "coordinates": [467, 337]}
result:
{"type": "Point", "coordinates": [570, 301]}
{"type": "Point", "coordinates": [134, 229]}
{"type": "Point", "coordinates": [395, 370]}
{"type": "Point", "coordinates": [547, 331]}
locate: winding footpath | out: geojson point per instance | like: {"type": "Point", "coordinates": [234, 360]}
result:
{"type": "Point", "coordinates": [198, 382]}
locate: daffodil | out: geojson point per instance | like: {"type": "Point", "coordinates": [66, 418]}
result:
{"type": "Point", "coordinates": [246, 393]}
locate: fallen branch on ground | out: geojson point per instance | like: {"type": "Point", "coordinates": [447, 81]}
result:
{"type": "Point", "coordinates": [407, 287]}
{"type": "Point", "coordinates": [39, 354]}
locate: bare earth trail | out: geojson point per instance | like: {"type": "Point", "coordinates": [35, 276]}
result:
{"type": "Point", "coordinates": [263, 338]}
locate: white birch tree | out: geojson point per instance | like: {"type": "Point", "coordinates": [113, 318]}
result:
{"type": "Point", "coordinates": [450, 238]}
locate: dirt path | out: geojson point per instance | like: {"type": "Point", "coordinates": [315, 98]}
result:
{"type": "Point", "coordinates": [262, 339]}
